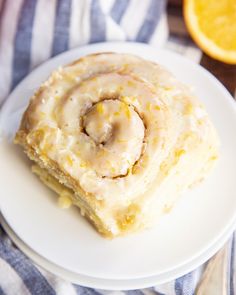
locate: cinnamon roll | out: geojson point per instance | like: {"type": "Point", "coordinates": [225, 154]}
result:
{"type": "Point", "coordinates": [119, 137]}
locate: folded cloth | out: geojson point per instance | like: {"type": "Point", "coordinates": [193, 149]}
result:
{"type": "Point", "coordinates": [32, 31]}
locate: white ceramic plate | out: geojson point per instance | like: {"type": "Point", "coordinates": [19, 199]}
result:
{"type": "Point", "coordinates": [67, 240]}
{"type": "Point", "coordinates": [107, 284]}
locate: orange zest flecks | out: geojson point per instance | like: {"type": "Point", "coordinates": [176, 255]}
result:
{"type": "Point", "coordinates": [156, 107]}
{"type": "Point", "coordinates": [155, 140]}
{"type": "Point", "coordinates": [188, 109]}
{"type": "Point", "coordinates": [84, 164]}
{"type": "Point", "coordinates": [100, 108]}
{"type": "Point", "coordinates": [69, 160]}
{"type": "Point", "coordinates": [149, 106]}
{"type": "Point", "coordinates": [179, 153]}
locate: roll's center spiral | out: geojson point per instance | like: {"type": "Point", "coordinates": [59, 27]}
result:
{"type": "Point", "coordinates": [97, 123]}
{"type": "Point", "coordinates": [118, 132]}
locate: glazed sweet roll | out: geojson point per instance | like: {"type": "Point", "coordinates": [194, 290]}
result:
{"type": "Point", "coordinates": [119, 137]}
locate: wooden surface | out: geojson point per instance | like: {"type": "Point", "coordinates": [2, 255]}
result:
{"type": "Point", "coordinates": [224, 72]}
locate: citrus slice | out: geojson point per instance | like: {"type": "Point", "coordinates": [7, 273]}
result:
{"type": "Point", "coordinates": [212, 25]}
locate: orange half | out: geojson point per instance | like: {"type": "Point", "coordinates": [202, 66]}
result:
{"type": "Point", "coordinates": [212, 25]}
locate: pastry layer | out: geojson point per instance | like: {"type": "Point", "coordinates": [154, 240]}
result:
{"type": "Point", "coordinates": [67, 196]}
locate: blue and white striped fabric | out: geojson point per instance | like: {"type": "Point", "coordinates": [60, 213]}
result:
{"type": "Point", "coordinates": [32, 31]}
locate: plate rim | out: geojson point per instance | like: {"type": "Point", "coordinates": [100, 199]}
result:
{"type": "Point", "coordinates": [100, 283]}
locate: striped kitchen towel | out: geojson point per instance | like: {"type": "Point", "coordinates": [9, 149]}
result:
{"type": "Point", "coordinates": [32, 31]}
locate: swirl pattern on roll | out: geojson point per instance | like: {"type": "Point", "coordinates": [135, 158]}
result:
{"type": "Point", "coordinates": [123, 132]}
